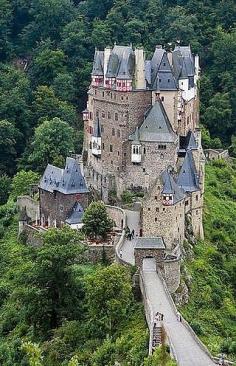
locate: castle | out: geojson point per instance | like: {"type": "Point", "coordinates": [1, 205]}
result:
{"type": "Point", "coordinates": [141, 133]}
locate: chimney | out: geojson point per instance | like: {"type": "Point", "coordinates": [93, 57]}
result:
{"type": "Point", "coordinates": [140, 80]}
{"type": "Point", "coordinates": [170, 57]}
{"type": "Point", "coordinates": [107, 53]}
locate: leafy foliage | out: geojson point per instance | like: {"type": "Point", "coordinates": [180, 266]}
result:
{"type": "Point", "coordinates": [213, 268]}
{"type": "Point", "coordinates": [97, 223]}
{"type": "Point", "coordinates": [22, 181]}
{"type": "Point", "coordinates": [53, 140]}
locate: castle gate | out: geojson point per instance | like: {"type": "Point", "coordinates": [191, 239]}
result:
{"type": "Point", "coordinates": [149, 253]}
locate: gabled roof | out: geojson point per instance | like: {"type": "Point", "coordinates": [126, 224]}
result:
{"type": "Point", "coordinates": [171, 187]}
{"type": "Point", "coordinates": [75, 216]}
{"type": "Point", "coordinates": [156, 126]}
{"type": "Point", "coordinates": [121, 63]}
{"type": "Point", "coordinates": [183, 62]}
{"type": "Point", "coordinates": [98, 63]}
{"type": "Point", "coordinates": [188, 177]}
{"type": "Point", "coordinates": [97, 128]}
{"type": "Point", "coordinates": [156, 61]}
{"type": "Point", "coordinates": [188, 142]}
{"type": "Point", "coordinates": [162, 74]}
{"type": "Point", "coordinates": [68, 181]}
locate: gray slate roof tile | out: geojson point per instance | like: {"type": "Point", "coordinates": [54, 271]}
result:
{"type": "Point", "coordinates": [76, 214]}
{"type": "Point", "coordinates": [150, 243]}
{"type": "Point", "coordinates": [156, 126]}
{"type": "Point", "coordinates": [171, 187]}
{"type": "Point", "coordinates": [188, 177]}
{"type": "Point", "coordinates": [68, 180]}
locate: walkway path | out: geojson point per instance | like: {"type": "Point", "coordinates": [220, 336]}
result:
{"type": "Point", "coordinates": [188, 351]}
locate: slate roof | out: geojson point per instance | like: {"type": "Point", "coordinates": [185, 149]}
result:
{"type": "Point", "coordinates": [162, 77]}
{"type": "Point", "coordinates": [183, 62]}
{"type": "Point", "coordinates": [188, 142]}
{"type": "Point", "coordinates": [68, 180]}
{"type": "Point", "coordinates": [150, 243]}
{"type": "Point", "coordinates": [76, 214]}
{"type": "Point", "coordinates": [156, 126]}
{"type": "Point", "coordinates": [171, 187]}
{"type": "Point", "coordinates": [97, 128]}
{"type": "Point", "coordinates": [98, 63]}
{"type": "Point", "coordinates": [188, 177]}
{"type": "Point", "coordinates": [121, 63]}
{"type": "Point", "coordinates": [136, 138]}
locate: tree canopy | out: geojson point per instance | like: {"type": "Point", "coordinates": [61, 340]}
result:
{"type": "Point", "coordinates": [97, 223]}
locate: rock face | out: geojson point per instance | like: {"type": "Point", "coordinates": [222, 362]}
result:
{"type": "Point", "coordinates": [181, 295]}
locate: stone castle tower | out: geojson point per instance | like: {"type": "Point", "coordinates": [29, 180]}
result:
{"type": "Point", "coordinates": [141, 133]}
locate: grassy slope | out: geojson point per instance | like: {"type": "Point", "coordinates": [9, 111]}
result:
{"type": "Point", "coordinates": [211, 302]}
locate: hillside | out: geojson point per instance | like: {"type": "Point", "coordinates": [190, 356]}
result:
{"type": "Point", "coordinates": [211, 309]}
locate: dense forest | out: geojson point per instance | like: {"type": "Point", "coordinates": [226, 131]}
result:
{"type": "Point", "coordinates": [46, 54]}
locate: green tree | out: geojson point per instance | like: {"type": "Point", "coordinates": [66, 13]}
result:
{"type": "Point", "coordinates": [217, 116]}
{"type": "Point", "coordinates": [64, 87]}
{"type": "Point", "coordinates": [46, 106]}
{"type": "Point", "coordinates": [5, 188]}
{"type": "Point", "coordinates": [5, 27]}
{"type": "Point", "coordinates": [108, 296]}
{"type": "Point", "coordinates": [160, 357]}
{"type": "Point", "coordinates": [48, 19]}
{"type": "Point", "coordinates": [55, 291]}
{"type": "Point", "coordinates": [97, 223]}
{"type": "Point", "coordinates": [22, 181]}
{"type": "Point", "coordinates": [15, 98]}
{"type": "Point", "coordinates": [46, 65]}
{"type": "Point", "coordinates": [52, 140]}
{"type": "Point", "coordinates": [9, 139]}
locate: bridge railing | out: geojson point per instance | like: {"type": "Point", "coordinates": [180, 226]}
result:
{"type": "Point", "coordinates": [148, 310]}
{"type": "Point", "coordinates": [183, 320]}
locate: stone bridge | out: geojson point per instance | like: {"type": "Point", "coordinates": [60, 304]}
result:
{"type": "Point", "coordinates": [185, 346]}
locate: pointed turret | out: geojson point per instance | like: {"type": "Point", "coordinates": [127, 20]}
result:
{"type": "Point", "coordinates": [188, 178]}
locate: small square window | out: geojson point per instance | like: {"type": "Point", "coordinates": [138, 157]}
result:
{"type": "Point", "coordinates": [144, 170]}
{"type": "Point", "coordinates": [157, 209]}
{"type": "Point", "coordinates": [149, 209]}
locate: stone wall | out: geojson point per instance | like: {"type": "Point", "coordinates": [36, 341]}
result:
{"type": "Point", "coordinates": [94, 254]}
{"type": "Point", "coordinates": [54, 208]}
{"type": "Point", "coordinates": [165, 221]}
{"type": "Point", "coordinates": [32, 206]}
{"type": "Point", "coordinates": [119, 113]}
{"type": "Point", "coordinates": [99, 253]}
{"type": "Point", "coordinates": [142, 174]}
{"type": "Point", "coordinates": [215, 154]}
{"type": "Point", "coordinates": [140, 254]}
{"type": "Point", "coordinates": [117, 215]}
{"type": "Point", "coordinates": [172, 274]}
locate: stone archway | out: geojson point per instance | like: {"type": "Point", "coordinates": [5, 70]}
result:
{"type": "Point", "coordinates": [149, 264]}
{"type": "Point", "coordinates": [151, 251]}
